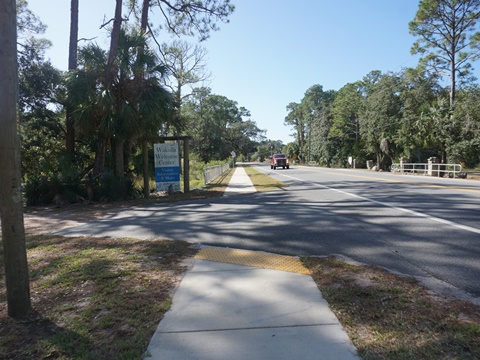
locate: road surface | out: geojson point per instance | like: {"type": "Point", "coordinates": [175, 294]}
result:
{"type": "Point", "coordinates": [420, 226]}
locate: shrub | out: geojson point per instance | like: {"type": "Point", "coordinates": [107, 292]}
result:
{"type": "Point", "coordinates": [112, 188]}
{"type": "Point", "coordinates": [38, 191]}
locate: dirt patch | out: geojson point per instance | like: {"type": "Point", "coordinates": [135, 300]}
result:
{"type": "Point", "coordinates": [47, 222]}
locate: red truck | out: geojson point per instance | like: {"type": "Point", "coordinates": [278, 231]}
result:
{"type": "Point", "coordinates": [279, 160]}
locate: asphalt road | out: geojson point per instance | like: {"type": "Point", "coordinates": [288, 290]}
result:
{"type": "Point", "coordinates": [420, 226]}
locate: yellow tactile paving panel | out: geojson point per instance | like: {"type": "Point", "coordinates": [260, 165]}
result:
{"type": "Point", "coordinates": [253, 258]}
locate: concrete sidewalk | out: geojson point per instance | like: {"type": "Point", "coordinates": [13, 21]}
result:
{"type": "Point", "coordinates": [266, 309]}
{"type": "Point", "coordinates": [240, 182]}
{"type": "Point", "coordinates": [246, 305]}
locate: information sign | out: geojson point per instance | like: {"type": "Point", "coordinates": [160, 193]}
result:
{"type": "Point", "coordinates": [167, 169]}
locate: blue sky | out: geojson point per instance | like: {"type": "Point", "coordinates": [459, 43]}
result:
{"type": "Point", "coordinates": [272, 51]}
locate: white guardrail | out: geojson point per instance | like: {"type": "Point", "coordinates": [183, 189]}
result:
{"type": "Point", "coordinates": [429, 169]}
{"type": "Point", "coordinates": [212, 172]}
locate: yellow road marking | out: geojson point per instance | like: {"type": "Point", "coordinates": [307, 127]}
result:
{"type": "Point", "coordinates": [400, 181]}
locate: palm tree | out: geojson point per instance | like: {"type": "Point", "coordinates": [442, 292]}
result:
{"type": "Point", "coordinates": [130, 108]}
{"type": "Point", "coordinates": [91, 101]}
{"type": "Point", "coordinates": [143, 104]}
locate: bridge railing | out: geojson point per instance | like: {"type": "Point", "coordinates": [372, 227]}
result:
{"type": "Point", "coordinates": [429, 169]}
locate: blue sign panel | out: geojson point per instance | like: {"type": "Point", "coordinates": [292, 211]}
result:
{"type": "Point", "coordinates": [167, 174]}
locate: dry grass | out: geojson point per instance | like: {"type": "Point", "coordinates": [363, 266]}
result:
{"type": "Point", "coordinates": [94, 298]}
{"type": "Point", "coordinates": [261, 181]}
{"type": "Point", "coordinates": [392, 317]}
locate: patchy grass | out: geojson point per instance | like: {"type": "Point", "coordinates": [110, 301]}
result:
{"type": "Point", "coordinates": [392, 317]}
{"type": "Point", "coordinates": [102, 298]}
{"type": "Point", "coordinates": [94, 298]}
{"type": "Point", "coordinates": [261, 181]}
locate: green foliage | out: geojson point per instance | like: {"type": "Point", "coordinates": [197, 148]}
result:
{"type": "Point", "coordinates": [344, 134]}
{"type": "Point", "coordinates": [40, 127]}
{"type": "Point", "coordinates": [112, 188]}
{"type": "Point", "coordinates": [466, 116]}
{"type": "Point", "coordinates": [135, 105]}
{"type": "Point", "coordinates": [197, 167]}
{"type": "Point", "coordinates": [311, 119]}
{"type": "Point", "coordinates": [112, 120]}
{"type": "Point", "coordinates": [298, 120]}
{"type": "Point", "coordinates": [193, 17]}
{"type": "Point", "coordinates": [54, 189]}
{"type": "Point", "coordinates": [27, 21]}
{"type": "Point", "coordinates": [382, 117]}
{"type": "Point", "coordinates": [265, 148]}
{"type": "Point", "coordinates": [386, 117]}
{"type": "Point", "coordinates": [64, 189]}
{"type": "Point", "coordinates": [38, 191]}
{"type": "Point", "coordinates": [218, 126]}
{"type": "Point", "coordinates": [447, 37]}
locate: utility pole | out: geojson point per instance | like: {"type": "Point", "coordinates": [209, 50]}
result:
{"type": "Point", "coordinates": [11, 209]}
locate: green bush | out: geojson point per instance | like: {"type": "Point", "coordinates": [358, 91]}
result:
{"type": "Point", "coordinates": [112, 188]}
{"type": "Point", "coordinates": [38, 191]}
{"type": "Point", "coordinates": [60, 191]}
{"type": "Point", "coordinates": [54, 189]}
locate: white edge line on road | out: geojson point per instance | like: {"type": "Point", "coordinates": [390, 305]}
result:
{"type": "Point", "coordinates": [433, 218]}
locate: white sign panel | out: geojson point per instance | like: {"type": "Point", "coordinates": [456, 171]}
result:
{"type": "Point", "coordinates": [167, 170]}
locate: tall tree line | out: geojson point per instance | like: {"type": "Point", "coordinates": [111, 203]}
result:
{"type": "Point", "coordinates": [385, 117]}
{"type": "Point", "coordinates": [219, 126]}
{"type": "Point", "coordinates": [77, 126]}
{"type": "Point", "coordinates": [93, 122]}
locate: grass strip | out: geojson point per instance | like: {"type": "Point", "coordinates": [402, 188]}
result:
{"type": "Point", "coordinates": [94, 298]}
{"type": "Point", "coordinates": [262, 181]}
{"type": "Point", "coordinates": [388, 316]}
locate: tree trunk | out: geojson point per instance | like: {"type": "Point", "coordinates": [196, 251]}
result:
{"type": "Point", "coordinates": [11, 212]}
{"type": "Point", "coordinates": [186, 162]}
{"type": "Point", "coordinates": [144, 20]}
{"type": "Point", "coordinates": [444, 154]}
{"type": "Point", "coordinates": [119, 163]}
{"type": "Point", "coordinates": [99, 163]}
{"type": "Point", "coordinates": [112, 54]}
{"type": "Point", "coordinates": [73, 44]}
{"type": "Point", "coordinates": [72, 65]}
{"type": "Point", "coordinates": [379, 159]}
{"type": "Point", "coordinates": [453, 74]}
{"type": "Point", "coordinates": [146, 179]}
{"type": "Point", "coordinates": [176, 121]}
